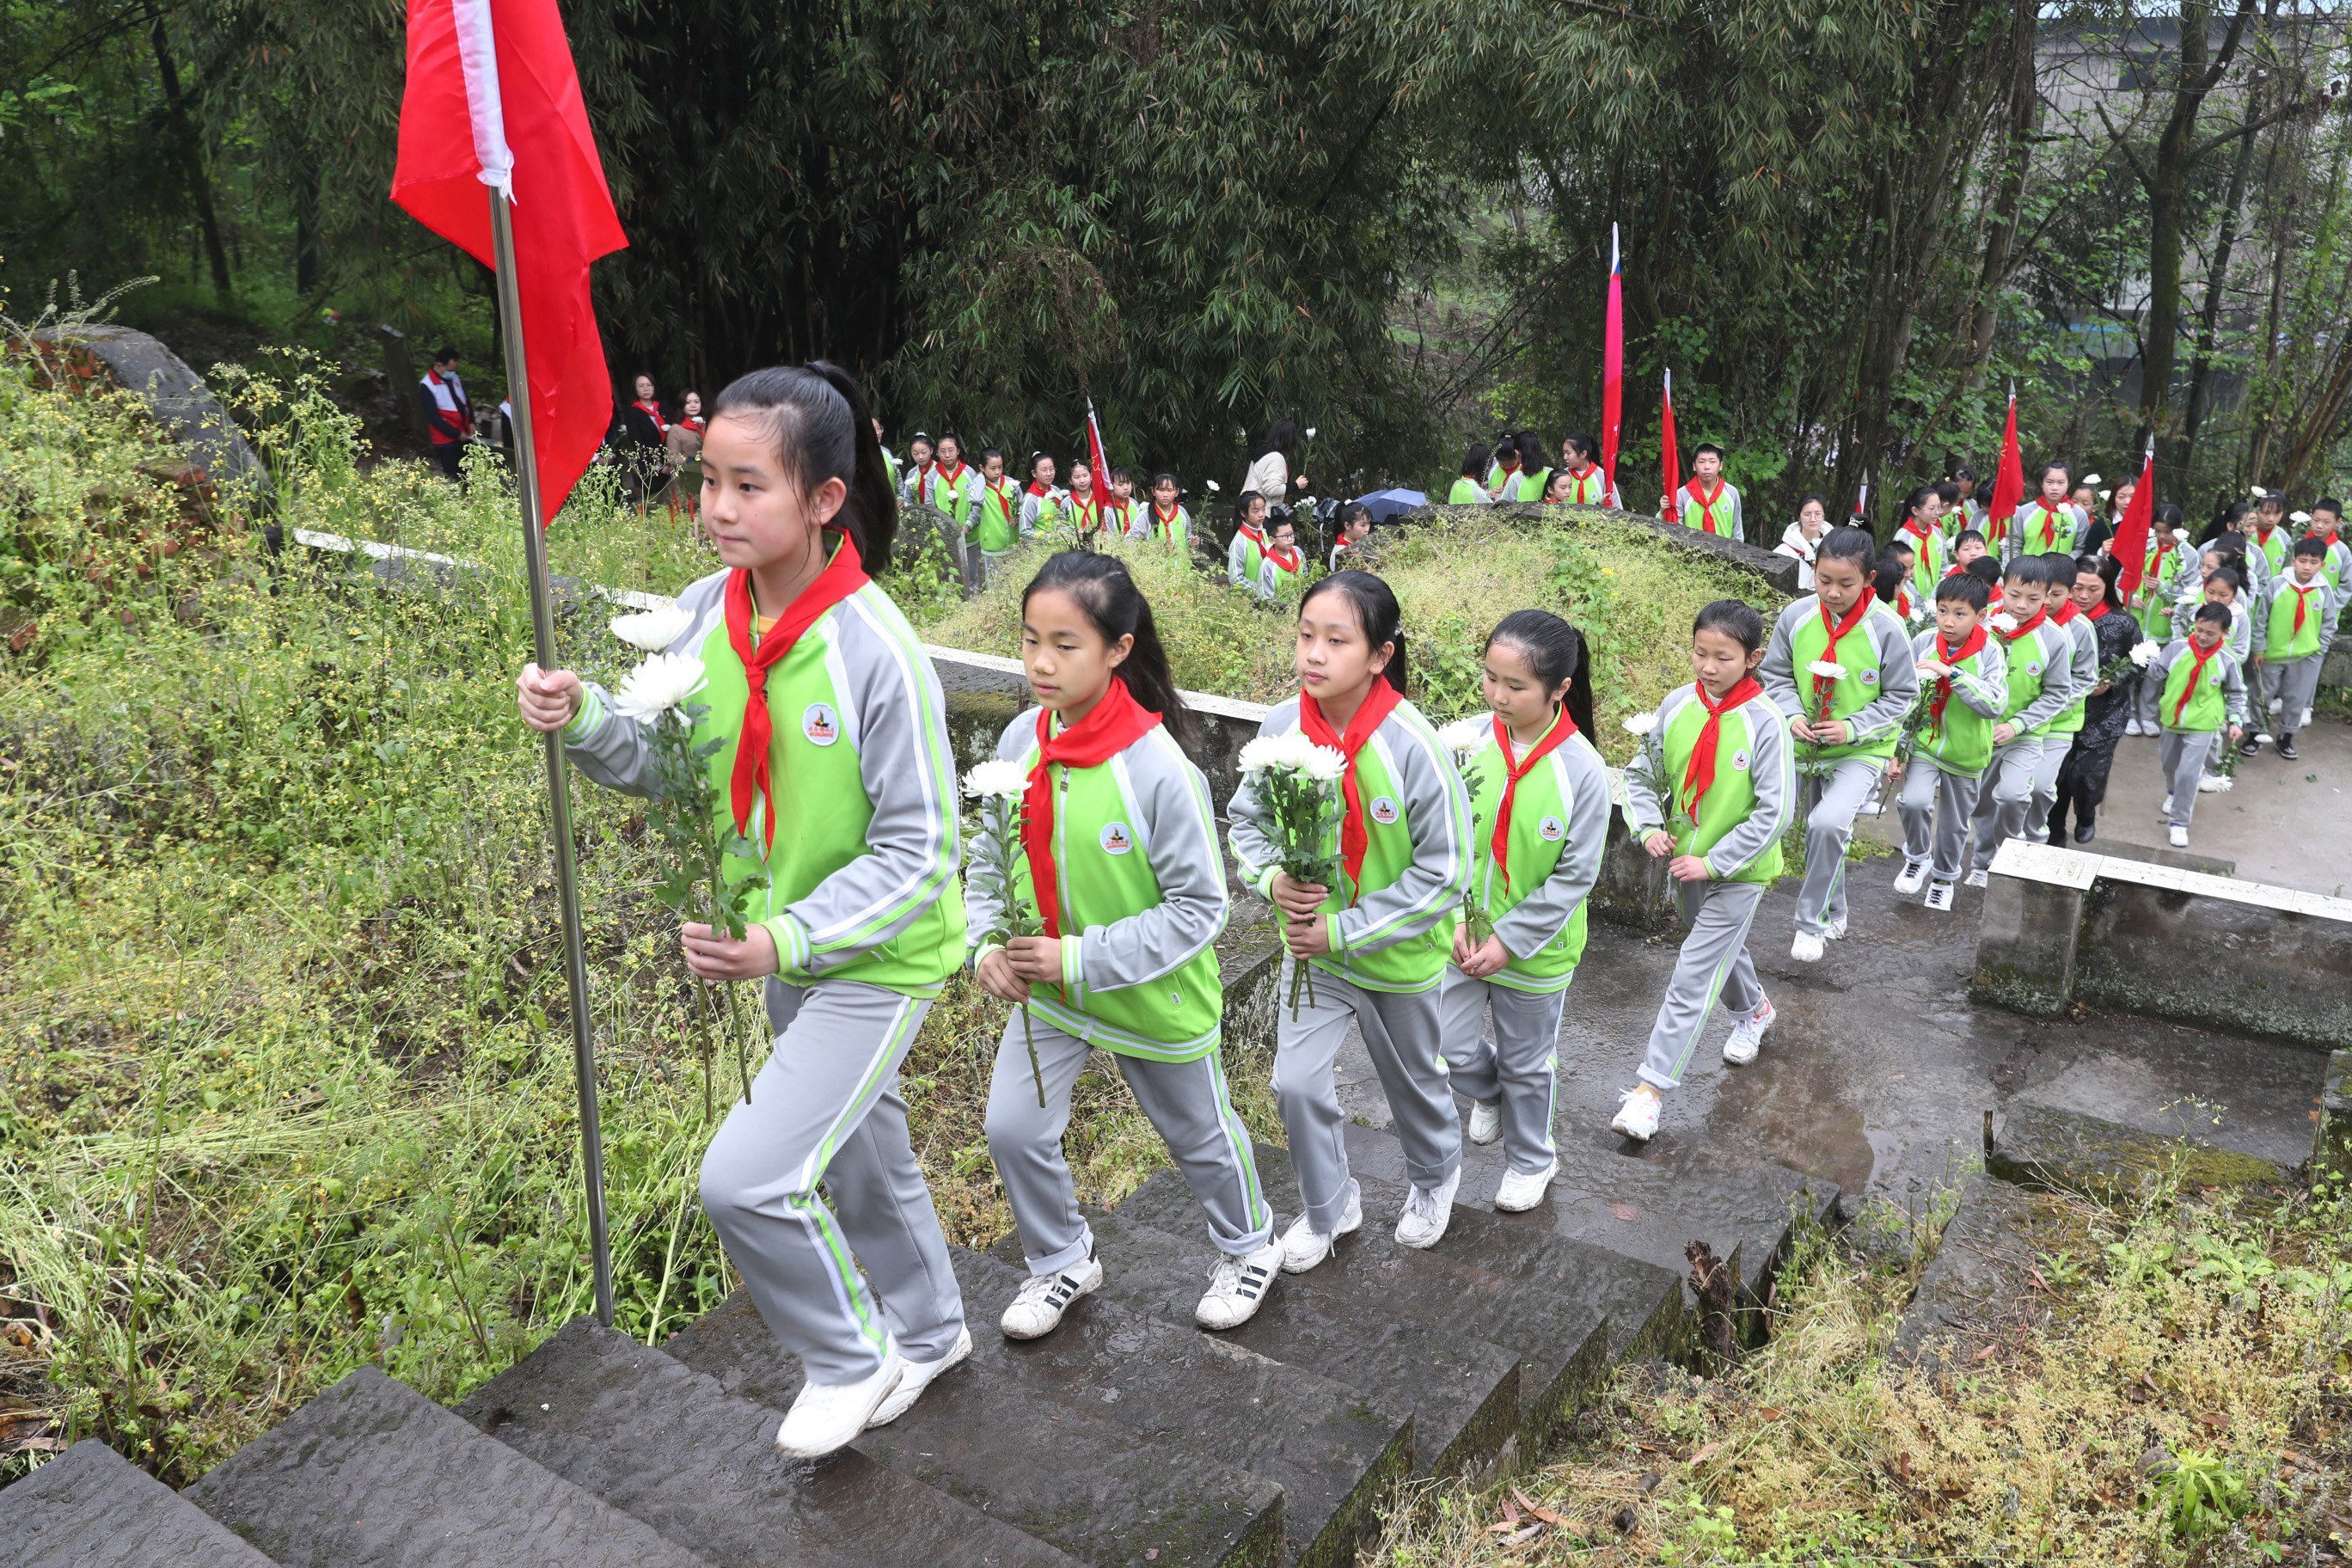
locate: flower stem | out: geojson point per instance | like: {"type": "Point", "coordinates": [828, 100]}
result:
{"type": "Point", "coordinates": [1035, 1071]}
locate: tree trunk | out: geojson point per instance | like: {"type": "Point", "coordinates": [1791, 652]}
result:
{"type": "Point", "coordinates": [2217, 283]}
{"type": "Point", "coordinates": [307, 269]}
{"type": "Point", "coordinates": [192, 155]}
{"type": "Point", "coordinates": [2008, 200]}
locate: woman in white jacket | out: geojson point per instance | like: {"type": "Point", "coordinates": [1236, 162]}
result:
{"type": "Point", "coordinates": [1803, 535]}
{"type": "Point", "coordinates": [1269, 471]}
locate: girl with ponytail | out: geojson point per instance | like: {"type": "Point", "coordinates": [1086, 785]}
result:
{"type": "Point", "coordinates": [1119, 857]}
{"type": "Point", "coordinates": [831, 734]}
{"type": "Point", "coordinates": [1379, 939]}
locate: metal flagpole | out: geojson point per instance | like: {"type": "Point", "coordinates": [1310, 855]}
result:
{"type": "Point", "coordinates": [559, 802]}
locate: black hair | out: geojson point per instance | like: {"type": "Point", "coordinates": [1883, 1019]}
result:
{"type": "Point", "coordinates": [1817, 497]}
{"type": "Point", "coordinates": [1557, 652]}
{"type": "Point", "coordinates": [2044, 472]}
{"type": "Point", "coordinates": [1704, 447]}
{"type": "Point", "coordinates": [988, 452]}
{"type": "Point", "coordinates": [1985, 569]}
{"type": "Point", "coordinates": [1375, 603]}
{"type": "Point", "coordinates": [1080, 461]}
{"type": "Point", "coordinates": [445, 353]}
{"type": "Point", "coordinates": [1900, 545]}
{"type": "Point", "coordinates": [1531, 449]}
{"type": "Point", "coordinates": [1963, 472]}
{"type": "Point", "coordinates": [2217, 614]}
{"type": "Point", "coordinates": [1846, 543]}
{"type": "Point", "coordinates": [1578, 440]}
{"type": "Point", "coordinates": [1034, 458]}
{"type": "Point", "coordinates": [1505, 446]}
{"type": "Point", "coordinates": [1115, 607]}
{"type": "Point", "coordinates": [2228, 574]}
{"type": "Point", "coordinates": [2235, 512]}
{"type": "Point", "coordinates": [2328, 503]}
{"type": "Point", "coordinates": [2108, 569]}
{"type": "Point", "coordinates": [1242, 504]}
{"type": "Point", "coordinates": [1968, 533]}
{"type": "Point", "coordinates": [1159, 479]}
{"type": "Point", "coordinates": [1475, 460]}
{"type": "Point", "coordinates": [1123, 473]}
{"type": "Point", "coordinates": [816, 416]}
{"type": "Point", "coordinates": [2169, 516]}
{"type": "Point", "coordinates": [2271, 499]}
{"type": "Point", "coordinates": [1917, 499]}
{"type": "Point", "coordinates": [1967, 587]}
{"type": "Point", "coordinates": [1280, 437]}
{"type": "Point", "coordinates": [1886, 576]}
{"type": "Point", "coordinates": [922, 435]}
{"type": "Point", "coordinates": [1735, 619]}
{"type": "Point", "coordinates": [1949, 493]}
{"type": "Point", "coordinates": [2018, 568]}
{"type": "Point", "coordinates": [946, 435]}
{"type": "Point", "coordinates": [1349, 513]}
{"type": "Point", "coordinates": [2311, 544]}
{"type": "Point", "coordinates": [2057, 569]}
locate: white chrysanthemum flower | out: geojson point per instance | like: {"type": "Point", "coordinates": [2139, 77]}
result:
{"type": "Point", "coordinates": [2090, 478]}
{"type": "Point", "coordinates": [1324, 764]}
{"type": "Point", "coordinates": [1310, 432]}
{"type": "Point", "coordinates": [2144, 653]}
{"type": "Point", "coordinates": [659, 684]}
{"type": "Point", "coordinates": [1828, 670]}
{"type": "Point", "coordinates": [1641, 723]}
{"type": "Point", "coordinates": [1262, 752]}
{"type": "Point", "coordinates": [2180, 536]}
{"type": "Point", "coordinates": [1214, 487]}
{"type": "Point", "coordinates": [996, 779]}
{"type": "Point", "coordinates": [2004, 622]}
{"type": "Point", "coordinates": [1464, 736]}
{"type": "Point", "coordinates": [2257, 491]}
{"type": "Point", "coordinates": [2104, 494]}
{"type": "Point", "coordinates": [652, 631]}
{"type": "Point", "coordinates": [2299, 517]}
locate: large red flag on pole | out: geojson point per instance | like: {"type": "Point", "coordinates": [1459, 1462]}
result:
{"type": "Point", "coordinates": [2008, 482]}
{"type": "Point", "coordinates": [1670, 459]}
{"type": "Point", "coordinates": [493, 101]}
{"type": "Point", "coordinates": [2130, 545]}
{"type": "Point", "coordinates": [1613, 370]}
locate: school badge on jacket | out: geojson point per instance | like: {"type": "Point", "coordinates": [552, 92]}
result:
{"type": "Point", "coordinates": [820, 724]}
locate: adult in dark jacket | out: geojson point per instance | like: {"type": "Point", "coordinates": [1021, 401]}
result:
{"type": "Point", "coordinates": [2082, 777]}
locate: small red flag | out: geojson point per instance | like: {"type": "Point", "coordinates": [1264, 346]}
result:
{"type": "Point", "coordinates": [1670, 459]}
{"type": "Point", "coordinates": [2130, 545]}
{"type": "Point", "coordinates": [493, 103]}
{"type": "Point", "coordinates": [1100, 462]}
{"type": "Point", "coordinates": [1612, 369]}
{"type": "Point", "coordinates": [2008, 481]}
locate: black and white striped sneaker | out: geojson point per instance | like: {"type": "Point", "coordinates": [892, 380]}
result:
{"type": "Point", "coordinates": [1044, 1297]}
{"type": "Point", "coordinates": [1238, 1286]}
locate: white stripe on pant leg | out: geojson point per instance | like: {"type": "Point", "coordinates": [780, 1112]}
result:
{"type": "Point", "coordinates": [1237, 1135]}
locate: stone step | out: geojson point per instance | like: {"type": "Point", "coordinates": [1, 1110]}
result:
{"type": "Point", "coordinates": [1041, 1463]}
{"type": "Point", "coordinates": [2045, 1146]}
{"type": "Point", "coordinates": [1361, 1321]}
{"type": "Point", "coordinates": [1569, 1309]}
{"type": "Point", "coordinates": [91, 1508]}
{"type": "Point", "coordinates": [1333, 1455]}
{"type": "Point", "coordinates": [667, 1445]}
{"type": "Point", "coordinates": [371, 1474]}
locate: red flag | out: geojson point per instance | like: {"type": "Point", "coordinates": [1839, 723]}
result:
{"type": "Point", "coordinates": [2008, 482]}
{"type": "Point", "coordinates": [1095, 460]}
{"type": "Point", "coordinates": [1862, 499]}
{"type": "Point", "coordinates": [1670, 463]}
{"type": "Point", "coordinates": [2130, 545]}
{"type": "Point", "coordinates": [493, 102]}
{"type": "Point", "coordinates": [1612, 369]}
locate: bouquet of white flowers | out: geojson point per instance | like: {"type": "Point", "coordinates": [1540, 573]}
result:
{"type": "Point", "coordinates": [1298, 780]}
{"type": "Point", "coordinates": [1002, 788]}
{"type": "Point", "coordinates": [1826, 674]}
{"type": "Point", "coordinates": [1465, 738]}
{"type": "Point", "coordinates": [1649, 769]}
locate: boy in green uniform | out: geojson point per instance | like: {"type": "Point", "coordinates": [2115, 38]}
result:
{"type": "Point", "coordinates": [2301, 603]}
{"type": "Point", "coordinates": [2039, 658]}
{"type": "Point", "coordinates": [2203, 697]}
{"type": "Point", "coordinates": [1966, 677]}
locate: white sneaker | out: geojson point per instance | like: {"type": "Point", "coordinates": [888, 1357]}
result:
{"type": "Point", "coordinates": [2164, 812]}
{"type": "Point", "coordinates": [1426, 1212]}
{"type": "Point", "coordinates": [1939, 897]}
{"type": "Point", "coordinates": [1913, 876]}
{"type": "Point", "coordinates": [2179, 836]}
{"type": "Point", "coordinates": [1238, 1286]}
{"type": "Point", "coordinates": [1485, 1120]}
{"type": "Point", "coordinates": [2278, 704]}
{"type": "Point", "coordinates": [1304, 1246]}
{"type": "Point", "coordinates": [2306, 719]}
{"type": "Point", "coordinates": [1807, 948]}
{"type": "Point", "coordinates": [1834, 929]}
{"type": "Point", "coordinates": [1748, 1034]}
{"type": "Point", "coordinates": [1044, 1297]}
{"type": "Point", "coordinates": [918, 1376]}
{"type": "Point", "coordinates": [2210, 783]}
{"type": "Point", "coordinates": [1638, 1118]}
{"type": "Point", "coordinates": [827, 1416]}
{"type": "Point", "coordinates": [1523, 1190]}
{"type": "Point", "coordinates": [1976, 878]}
{"type": "Point", "coordinates": [2132, 727]}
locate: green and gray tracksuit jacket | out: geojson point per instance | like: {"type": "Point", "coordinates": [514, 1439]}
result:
{"type": "Point", "coordinates": [1142, 892]}
{"type": "Point", "coordinates": [862, 873]}
{"type": "Point", "coordinates": [2041, 676]}
{"type": "Point", "coordinates": [1748, 807]}
{"type": "Point", "coordinates": [1874, 695]}
{"type": "Point", "coordinates": [2222, 699]}
{"type": "Point", "coordinates": [2242, 620]}
{"type": "Point", "coordinates": [2066, 524]}
{"type": "Point", "coordinates": [1962, 744]}
{"type": "Point", "coordinates": [1397, 933]}
{"type": "Point", "coordinates": [1559, 826]}
{"type": "Point", "coordinates": [2081, 670]}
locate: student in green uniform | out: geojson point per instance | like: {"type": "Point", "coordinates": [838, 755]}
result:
{"type": "Point", "coordinates": [1245, 556]}
{"type": "Point", "coordinates": [996, 518]}
{"type": "Point", "coordinates": [2083, 674]}
{"type": "Point", "coordinates": [1471, 488]}
{"type": "Point", "coordinates": [1709, 502]}
{"type": "Point", "coordinates": [1591, 483]}
{"type": "Point", "coordinates": [1377, 941]}
{"type": "Point", "coordinates": [1538, 823]}
{"type": "Point", "coordinates": [1710, 793]}
{"type": "Point", "coordinates": [952, 486]}
{"type": "Point", "coordinates": [1535, 474]}
{"type": "Point", "coordinates": [1285, 565]}
{"type": "Point", "coordinates": [1923, 530]}
{"type": "Point", "coordinates": [2301, 602]}
{"type": "Point", "coordinates": [1165, 519]}
{"type": "Point", "coordinates": [1118, 859]}
{"type": "Point", "coordinates": [1355, 527]}
{"type": "Point", "coordinates": [1041, 500]}
{"type": "Point", "coordinates": [1503, 471]}
{"type": "Point", "coordinates": [2201, 706]}
{"type": "Point", "coordinates": [2048, 523]}
{"type": "Point", "coordinates": [2039, 659]}
{"type": "Point", "coordinates": [2272, 541]}
{"type": "Point", "coordinates": [833, 742]}
{"type": "Point", "coordinates": [1966, 676]}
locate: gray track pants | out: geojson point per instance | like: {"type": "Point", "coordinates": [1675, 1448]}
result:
{"type": "Point", "coordinates": [1399, 1030]}
{"type": "Point", "coordinates": [2293, 686]}
{"type": "Point", "coordinates": [2045, 785]}
{"type": "Point", "coordinates": [1714, 965]}
{"type": "Point", "coordinates": [2183, 758]}
{"type": "Point", "coordinates": [1830, 801]}
{"type": "Point", "coordinates": [1185, 1100]}
{"type": "Point", "coordinates": [826, 1108]}
{"type": "Point", "coordinates": [2004, 797]}
{"type": "Point", "coordinates": [1936, 808]}
{"type": "Point", "coordinates": [1519, 1067]}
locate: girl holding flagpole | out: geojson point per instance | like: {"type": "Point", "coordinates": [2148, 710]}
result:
{"type": "Point", "coordinates": [832, 736]}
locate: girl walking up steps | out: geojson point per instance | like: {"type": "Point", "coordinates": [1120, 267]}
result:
{"type": "Point", "coordinates": [1118, 859]}
{"type": "Point", "coordinates": [1378, 944]}
{"type": "Point", "coordinates": [835, 746]}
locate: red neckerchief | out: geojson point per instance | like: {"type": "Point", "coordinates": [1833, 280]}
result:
{"type": "Point", "coordinates": [2064, 612]}
{"type": "Point", "coordinates": [1117, 722]}
{"type": "Point", "coordinates": [1917, 529]}
{"type": "Point", "coordinates": [951, 479]}
{"type": "Point", "coordinates": [1825, 689]}
{"type": "Point", "coordinates": [1585, 472]}
{"type": "Point", "coordinates": [1509, 468]}
{"type": "Point", "coordinates": [1698, 776]}
{"type": "Point", "coordinates": [1355, 838]}
{"type": "Point", "coordinates": [2024, 626]}
{"type": "Point", "coordinates": [1087, 514]}
{"type": "Point", "coordinates": [694, 423]}
{"type": "Point", "coordinates": [1971, 647]}
{"type": "Point", "coordinates": [842, 576]}
{"type": "Point", "coordinates": [995, 487]}
{"type": "Point", "coordinates": [1705, 502]}
{"type": "Point", "coordinates": [2302, 602]}
{"type": "Point", "coordinates": [1902, 603]}
{"type": "Point", "coordinates": [1992, 597]}
{"type": "Point", "coordinates": [653, 412]}
{"type": "Point", "coordinates": [2197, 671]}
{"type": "Point", "coordinates": [2048, 523]}
{"type": "Point", "coordinates": [1166, 520]}
{"type": "Point", "coordinates": [1036, 488]}
{"type": "Point", "coordinates": [2096, 611]}
{"type": "Point", "coordinates": [1562, 727]}
{"type": "Point", "coordinates": [1274, 554]}
{"type": "Point", "coordinates": [1252, 535]}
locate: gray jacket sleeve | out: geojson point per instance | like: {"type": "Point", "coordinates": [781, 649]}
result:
{"type": "Point", "coordinates": [2057, 679]}
{"type": "Point", "coordinates": [614, 752]}
{"type": "Point", "coordinates": [1645, 813]}
{"type": "Point", "coordinates": [1899, 682]}
{"type": "Point", "coordinates": [1235, 553]}
{"type": "Point", "coordinates": [1254, 850]}
{"type": "Point", "coordinates": [2085, 666]}
{"type": "Point", "coordinates": [2233, 689]}
{"type": "Point", "coordinates": [1438, 807]}
{"type": "Point", "coordinates": [1544, 914]}
{"type": "Point", "coordinates": [1770, 775]}
{"type": "Point", "coordinates": [1779, 671]}
{"type": "Point", "coordinates": [1180, 842]}
{"type": "Point", "coordinates": [983, 889]}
